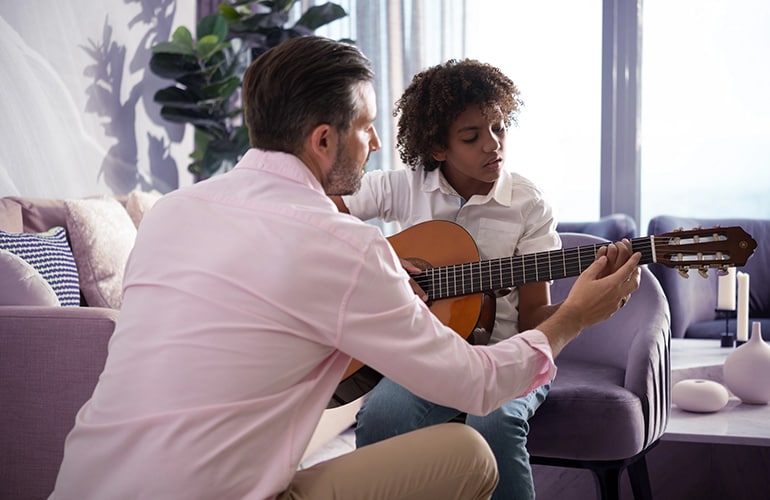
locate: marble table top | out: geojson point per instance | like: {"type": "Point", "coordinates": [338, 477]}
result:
{"type": "Point", "coordinates": [737, 423]}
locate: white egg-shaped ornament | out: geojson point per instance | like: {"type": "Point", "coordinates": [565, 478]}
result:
{"type": "Point", "coordinates": [699, 395]}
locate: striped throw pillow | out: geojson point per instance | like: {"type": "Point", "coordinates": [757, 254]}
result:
{"type": "Point", "coordinates": [50, 254]}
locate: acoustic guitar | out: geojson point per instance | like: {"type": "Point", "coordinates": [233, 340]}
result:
{"type": "Point", "coordinates": [461, 287]}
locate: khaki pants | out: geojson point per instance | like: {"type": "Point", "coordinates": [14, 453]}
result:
{"type": "Point", "coordinates": [442, 462]}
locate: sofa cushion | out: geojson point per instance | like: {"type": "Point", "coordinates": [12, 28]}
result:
{"type": "Point", "coordinates": [102, 236]}
{"type": "Point", "coordinates": [139, 203]}
{"type": "Point", "coordinates": [10, 216]}
{"type": "Point", "coordinates": [40, 214]}
{"type": "Point", "coordinates": [23, 285]}
{"type": "Point", "coordinates": [49, 253]}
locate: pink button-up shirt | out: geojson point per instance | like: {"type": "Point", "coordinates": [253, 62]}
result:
{"type": "Point", "coordinates": [244, 298]}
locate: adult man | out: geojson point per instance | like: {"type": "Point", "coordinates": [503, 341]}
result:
{"type": "Point", "coordinates": [245, 298]}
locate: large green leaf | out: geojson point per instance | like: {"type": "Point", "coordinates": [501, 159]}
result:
{"type": "Point", "coordinates": [213, 126]}
{"type": "Point", "coordinates": [224, 88]}
{"type": "Point", "coordinates": [175, 97]}
{"type": "Point", "coordinates": [181, 43]}
{"type": "Point", "coordinates": [208, 46]}
{"type": "Point", "coordinates": [214, 24]}
{"type": "Point", "coordinates": [321, 15]}
{"type": "Point", "coordinates": [183, 37]}
{"type": "Point", "coordinates": [173, 66]}
{"type": "Point", "coordinates": [283, 5]}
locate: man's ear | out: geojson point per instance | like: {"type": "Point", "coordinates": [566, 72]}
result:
{"type": "Point", "coordinates": [323, 144]}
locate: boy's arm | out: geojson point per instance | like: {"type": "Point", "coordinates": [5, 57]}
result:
{"type": "Point", "coordinates": [535, 305]}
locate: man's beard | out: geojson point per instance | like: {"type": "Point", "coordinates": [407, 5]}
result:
{"type": "Point", "coordinates": [344, 176]}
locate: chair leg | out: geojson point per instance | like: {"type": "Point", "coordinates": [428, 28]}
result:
{"type": "Point", "coordinates": [640, 479]}
{"type": "Point", "coordinates": [608, 481]}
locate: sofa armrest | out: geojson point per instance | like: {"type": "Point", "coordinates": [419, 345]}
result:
{"type": "Point", "coordinates": [50, 361]}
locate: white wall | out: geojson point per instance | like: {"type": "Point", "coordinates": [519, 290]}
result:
{"type": "Point", "coordinates": [76, 111]}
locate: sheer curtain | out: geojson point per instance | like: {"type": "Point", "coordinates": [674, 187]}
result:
{"type": "Point", "coordinates": [401, 37]}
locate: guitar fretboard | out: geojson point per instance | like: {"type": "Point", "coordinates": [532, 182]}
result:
{"type": "Point", "coordinates": [495, 274]}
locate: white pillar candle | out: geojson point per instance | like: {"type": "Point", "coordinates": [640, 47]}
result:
{"type": "Point", "coordinates": [742, 330]}
{"type": "Point", "coordinates": [726, 290]}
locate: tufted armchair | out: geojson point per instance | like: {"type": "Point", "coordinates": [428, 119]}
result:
{"type": "Point", "coordinates": [610, 400]}
{"type": "Point", "coordinates": [613, 227]}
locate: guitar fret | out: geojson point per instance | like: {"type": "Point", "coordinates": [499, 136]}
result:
{"type": "Point", "coordinates": [550, 272]}
{"type": "Point", "coordinates": [491, 276]}
{"type": "Point", "coordinates": [454, 280]}
{"type": "Point", "coordinates": [580, 260]}
{"type": "Point", "coordinates": [563, 262]}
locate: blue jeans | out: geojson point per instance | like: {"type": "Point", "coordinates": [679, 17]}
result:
{"type": "Point", "coordinates": [390, 410]}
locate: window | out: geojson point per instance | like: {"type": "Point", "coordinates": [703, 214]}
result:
{"type": "Point", "coordinates": [553, 52]}
{"type": "Point", "coordinates": [704, 139]}
{"type": "Point", "coordinates": [706, 109]}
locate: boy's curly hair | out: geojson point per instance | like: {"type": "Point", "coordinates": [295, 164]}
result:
{"type": "Point", "coordinates": [438, 95]}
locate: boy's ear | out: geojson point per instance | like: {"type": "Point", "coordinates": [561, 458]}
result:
{"type": "Point", "coordinates": [439, 155]}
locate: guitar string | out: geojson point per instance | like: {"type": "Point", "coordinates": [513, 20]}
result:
{"type": "Point", "coordinates": [452, 278]}
{"type": "Point", "coordinates": [497, 271]}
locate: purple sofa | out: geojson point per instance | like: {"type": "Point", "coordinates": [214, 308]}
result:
{"type": "Point", "coordinates": [50, 360]}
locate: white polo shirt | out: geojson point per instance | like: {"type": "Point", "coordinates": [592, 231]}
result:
{"type": "Point", "coordinates": [512, 219]}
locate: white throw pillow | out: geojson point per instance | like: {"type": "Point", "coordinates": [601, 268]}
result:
{"type": "Point", "coordinates": [139, 203]}
{"type": "Point", "coordinates": [102, 236]}
{"type": "Point", "coordinates": [23, 285]}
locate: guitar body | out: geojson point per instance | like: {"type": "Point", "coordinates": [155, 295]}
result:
{"type": "Point", "coordinates": [443, 243]}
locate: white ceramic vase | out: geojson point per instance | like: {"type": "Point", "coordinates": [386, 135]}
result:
{"type": "Point", "coordinates": [747, 370]}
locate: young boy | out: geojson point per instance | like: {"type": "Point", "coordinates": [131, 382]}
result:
{"type": "Point", "coordinates": [451, 132]}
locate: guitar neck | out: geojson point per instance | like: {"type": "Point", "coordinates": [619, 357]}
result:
{"type": "Point", "coordinates": [495, 274]}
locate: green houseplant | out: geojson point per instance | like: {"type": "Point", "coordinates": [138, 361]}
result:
{"type": "Point", "coordinates": [208, 70]}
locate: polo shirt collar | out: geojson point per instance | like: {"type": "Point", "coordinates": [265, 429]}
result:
{"type": "Point", "coordinates": [500, 192]}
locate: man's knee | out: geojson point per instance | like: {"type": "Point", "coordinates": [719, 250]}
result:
{"type": "Point", "coordinates": [464, 441]}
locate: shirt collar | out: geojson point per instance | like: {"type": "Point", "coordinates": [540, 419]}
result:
{"type": "Point", "coordinates": [279, 163]}
{"type": "Point", "coordinates": [500, 192]}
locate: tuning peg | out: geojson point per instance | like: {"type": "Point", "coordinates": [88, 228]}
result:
{"type": "Point", "coordinates": [704, 272]}
{"type": "Point", "coordinates": [684, 271]}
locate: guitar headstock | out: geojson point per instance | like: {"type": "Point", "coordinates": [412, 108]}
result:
{"type": "Point", "coordinates": [701, 249]}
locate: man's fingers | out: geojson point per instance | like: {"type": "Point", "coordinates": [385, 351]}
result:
{"type": "Point", "coordinates": [418, 290]}
{"type": "Point", "coordinates": [597, 266]}
{"type": "Point", "coordinates": [629, 271]}
{"type": "Point", "coordinates": [409, 267]}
